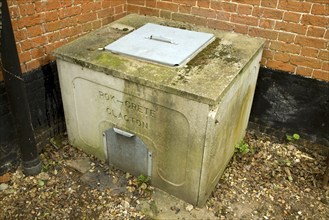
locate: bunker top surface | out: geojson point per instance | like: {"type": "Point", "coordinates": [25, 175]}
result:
{"type": "Point", "coordinates": [204, 79]}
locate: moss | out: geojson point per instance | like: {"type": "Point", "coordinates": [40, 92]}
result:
{"type": "Point", "coordinates": [205, 55]}
{"type": "Point", "coordinates": [110, 60]}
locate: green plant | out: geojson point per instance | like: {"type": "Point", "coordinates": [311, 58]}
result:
{"type": "Point", "coordinates": [242, 147]}
{"type": "Point", "coordinates": [293, 137]}
{"type": "Point", "coordinates": [143, 179]}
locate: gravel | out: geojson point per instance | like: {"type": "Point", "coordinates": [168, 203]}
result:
{"type": "Point", "coordinates": [274, 179]}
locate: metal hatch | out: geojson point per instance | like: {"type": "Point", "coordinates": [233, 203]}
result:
{"type": "Point", "coordinates": [162, 44]}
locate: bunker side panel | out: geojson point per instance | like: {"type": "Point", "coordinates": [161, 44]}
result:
{"type": "Point", "coordinates": [171, 126]}
{"type": "Point", "coordinates": [226, 127]}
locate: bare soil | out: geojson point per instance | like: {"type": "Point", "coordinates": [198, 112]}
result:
{"type": "Point", "coordinates": [275, 179]}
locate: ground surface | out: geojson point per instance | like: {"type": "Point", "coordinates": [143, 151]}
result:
{"type": "Point", "coordinates": [276, 179]}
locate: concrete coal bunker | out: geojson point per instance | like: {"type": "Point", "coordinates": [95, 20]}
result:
{"type": "Point", "coordinates": [178, 125]}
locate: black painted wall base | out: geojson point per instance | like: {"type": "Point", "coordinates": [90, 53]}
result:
{"type": "Point", "coordinates": [287, 103]}
{"type": "Point", "coordinates": [47, 114]}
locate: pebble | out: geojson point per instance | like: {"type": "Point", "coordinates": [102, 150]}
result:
{"type": "Point", "coordinates": [3, 186]}
{"type": "Point", "coordinates": [189, 208]}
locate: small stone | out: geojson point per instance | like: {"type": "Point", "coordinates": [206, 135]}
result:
{"type": "Point", "coordinates": [3, 186]}
{"type": "Point", "coordinates": [43, 176]}
{"type": "Point", "coordinates": [81, 164]}
{"type": "Point", "coordinates": [189, 208]}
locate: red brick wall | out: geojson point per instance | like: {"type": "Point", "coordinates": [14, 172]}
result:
{"type": "Point", "coordinates": [43, 25]}
{"type": "Point", "coordinates": [297, 31]}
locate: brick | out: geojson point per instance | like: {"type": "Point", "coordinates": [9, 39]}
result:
{"type": "Point", "coordinates": [325, 66]}
{"type": "Point", "coordinates": [34, 31]}
{"type": "Point", "coordinates": [310, 42]}
{"type": "Point", "coordinates": [118, 9]}
{"type": "Point", "coordinates": [25, 45]}
{"type": "Point", "coordinates": [20, 35]}
{"type": "Point", "coordinates": [74, 10]}
{"type": "Point", "coordinates": [320, 74]}
{"type": "Point", "coordinates": [203, 3]}
{"type": "Point", "coordinates": [53, 36]}
{"type": "Point", "coordinates": [208, 13]}
{"type": "Point", "coordinates": [165, 14]}
{"type": "Point", "coordinates": [149, 11]}
{"type": "Point", "coordinates": [136, 2]}
{"type": "Point", "coordinates": [242, 29]}
{"type": "Point", "coordinates": [220, 25]}
{"type": "Point", "coordinates": [53, 26]}
{"type": "Point", "coordinates": [105, 13]}
{"type": "Point", "coordinates": [86, 27]}
{"type": "Point", "coordinates": [167, 6]}
{"type": "Point", "coordinates": [304, 71]}
{"type": "Point", "coordinates": [266, 23]}
{"type": "Point", "coordinates": [185, 9]}
{"type": "Point", "coordinates": [320, 9]}
{"type": "Point", "coordinates": [37, 52]}
{"type": "Point", "coordinates": [29, 21]}
{"type": "Point", "coordinates": [39, 41]}
{"type": "Point", "coordinates": [190, 18]}
{"type": "Point", "coordinates": [244, 9]}
{"type": "Point", "coordinates": [96, 24]}
{"type": "Point", "coordinates": [271, 13]}
{"type": "Point", "coordinates": [283, 57]}
{"type": "Point", "coordinates": [315, 32]}
{"type": "Point", "coordinates": [286, 37]}
{"type": "Point", "coordinates": [285, 47]}
{"type": "Point", "coordinates": [250, 2]}
{"type": "Point", "coordinates": [258, 32]}
{"type": "Point", "coordinates": [23, 68]}
{"type": "Point", "coordinates": [133, 9]}
{"type": "Point", "coordinates": [278, 65]}
{"type": "Point", "coordinates": [305, 61]}
{"type": "Point", "coordinates": [291, 27]}
{"type": "Point", "coordinates": [242, 19]}
{"type": "Point", "coordinates": [309, 52]}
{"type": "Point", "coordinates": [31, 65]}
{"type": "Point", "coordinates": [324, 55]}
{"type": "Point", "coordinates": [185, 2]}
{"type": "Point", "coordinates": [223, 16]}
{"type": "Point", "coordinates": [268, 54]}
{"type": "Point", "coordinates": [26, 9]}
{"type": "Point", "coordinates": [121, 2]}
{"type": "Point", "coordinates": [269, 3]}
{"type": "Point", "coordinates": [216, 5]}
{"type": "Point", "coordinates": [14, 12]}
{"type": "Point", "coordinates": [51, 16]}
{"type": "Point", "coordinates": [326, 35]}
{"type": "Point", "coordinates": [24, 57]}
{"type": "Point", "coordinates": [52, 5]}
{"type": "Point", "coordinates": [107, 20]}
{"type": "Point", "coordinates": [83, 18]}
{"type": "Point", "coordinates": [296, 6]}
{"type": "Point", "coordinates": [70, 21]}
{"type": "Point", "coordinates": [230, 7]}
{"type": "Point", "coordinates": [151, 3]}
{"type": "Point", "coordinates": [292, 17]}
{"type": "Point", "coordinates": [315, 20]}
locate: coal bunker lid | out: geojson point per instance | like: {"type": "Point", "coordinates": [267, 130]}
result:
{"type": "Point", "coordinates": [161, 44]}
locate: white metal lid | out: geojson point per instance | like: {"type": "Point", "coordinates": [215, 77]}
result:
{"type": "Point", "coordinates": [162, 44]}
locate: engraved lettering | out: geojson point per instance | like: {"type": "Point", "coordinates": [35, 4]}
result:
{"type": "Point", "coordinates": [127, 118]}
{"type": "Point", "coordinates": [140, 109]}
{"type": "Point", "coordinates": [106, 96]}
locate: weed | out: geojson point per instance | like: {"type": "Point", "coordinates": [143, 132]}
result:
{"type": "Point", "coordinates": [293, 137]}
{"type": "Point", "coordinates": [242, 147]}
{"type": "Point", "coordinates": [143, 179]}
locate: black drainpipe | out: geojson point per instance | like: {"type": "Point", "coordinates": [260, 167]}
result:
{"type": "Point", "coordinates": [15, 87]}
